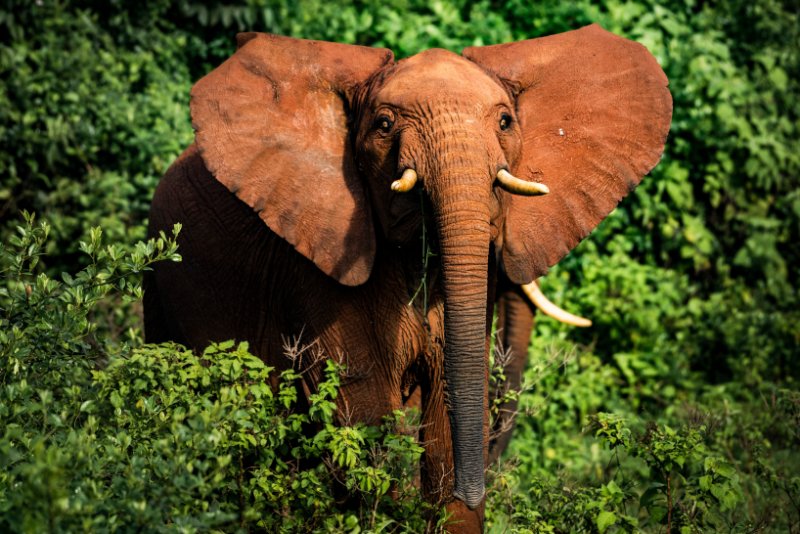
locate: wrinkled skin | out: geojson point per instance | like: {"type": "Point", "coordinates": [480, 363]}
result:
{"type": "Point", "coordinates": [291, 228]}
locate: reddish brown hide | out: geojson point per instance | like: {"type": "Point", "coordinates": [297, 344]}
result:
{"type": "Point", "coordinates": [291, 226]}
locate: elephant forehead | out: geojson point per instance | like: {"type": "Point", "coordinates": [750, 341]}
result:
{"type": "Point", "coordinates": [438, 74]}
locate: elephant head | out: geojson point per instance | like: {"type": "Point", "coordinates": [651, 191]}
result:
{"type": "Point", "coordinates": [326, 140]}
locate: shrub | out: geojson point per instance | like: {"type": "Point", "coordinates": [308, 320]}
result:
{"type": "Point", "coordinates": [88, 124]}
{"type": "Point", "coordinates": [105, 436]}
{"type": "Point", "coordinates": [692, 282]}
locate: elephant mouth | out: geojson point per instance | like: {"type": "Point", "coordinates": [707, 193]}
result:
{"type": "Point", "coordinates": [409, 214]}
{"type": "Point", "coordinates": [422, 247]}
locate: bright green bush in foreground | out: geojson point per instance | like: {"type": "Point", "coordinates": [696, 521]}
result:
{"type": "Point", "coordinates": [693, 283]}
{"type": "Point", "coordinates": [704, 463]}
{"type": "Point", "coordinates": [104, 435]}
{"type": "Point", "coordinates": [97, 436]}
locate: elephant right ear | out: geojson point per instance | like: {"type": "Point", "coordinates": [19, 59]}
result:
{"type": "Point", "coordinates": [594, 111]}
{"type": "Point", "coordinates": [271, 125]}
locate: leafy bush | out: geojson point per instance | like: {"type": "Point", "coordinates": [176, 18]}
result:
{"type": "Point", "coordinates": [692, 283]}
{"type": "Point", "coordinates": [100, 436]}
{"type": "Point", "coordinates": [89, 125]}
{"type": "Point", "coordinates": [714, 466]}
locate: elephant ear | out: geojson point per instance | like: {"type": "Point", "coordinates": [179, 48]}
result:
{"type": "Point", "coordinates": [271, 124]}
{"type": "Point", "coordinates": [594, 111]}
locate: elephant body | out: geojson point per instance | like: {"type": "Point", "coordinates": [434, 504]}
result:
{"type": "Point", "coordinates": [392, 350]}
{"type": "Point", "coordinates": [319, 170]}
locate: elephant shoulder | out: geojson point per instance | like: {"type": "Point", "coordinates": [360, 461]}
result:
{"type": "Point", "coordinates": [187, 193]}
{"type": "Point", "coordinates": [186, 172]}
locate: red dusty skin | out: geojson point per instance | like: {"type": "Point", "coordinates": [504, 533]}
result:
{"type": "Point", "coordinates": [590, 115]}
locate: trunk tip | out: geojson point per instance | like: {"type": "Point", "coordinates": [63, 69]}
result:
{"type": "Point", "coordinates": [472, 496]}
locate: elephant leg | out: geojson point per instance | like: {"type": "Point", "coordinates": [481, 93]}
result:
{"type": "Point", "coordinates": [515, 319]}
{"type": "Point", "coordinates": [462, 520]}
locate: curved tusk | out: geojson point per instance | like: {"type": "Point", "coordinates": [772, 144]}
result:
{"type": "Point", "coordinates": [406, 182]}
{"type": "Point", "coordinates": [512, 184]}
{"type": "Point", "coordinates": [538, 299]}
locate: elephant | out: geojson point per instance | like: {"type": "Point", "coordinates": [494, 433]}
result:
{"type": "Point", "coordinates": [369, 204]}
{"type": "Point", "coordinates": [515, 307]}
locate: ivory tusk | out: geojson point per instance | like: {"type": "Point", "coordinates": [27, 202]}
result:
{"type": "Point", "coordinates": [406, 182]}
{"type": "Point", "coordinates": [538, 299]}
{"type": "Point", "coordinates": [512, 184]}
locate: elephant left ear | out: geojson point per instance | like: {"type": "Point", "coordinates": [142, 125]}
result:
{"type": "Point", "coordinates": [272, 126]}
{"type": "Point", "coordinates": [594, 111]}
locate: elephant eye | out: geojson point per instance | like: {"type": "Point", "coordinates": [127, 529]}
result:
{"type": "Point", "coordinates": [383, 123]}
{"type": "Point", "coordinates": [505, 121]}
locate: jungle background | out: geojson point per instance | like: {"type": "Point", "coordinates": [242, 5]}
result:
{"type": "Point", "coordinates": [678, 411]}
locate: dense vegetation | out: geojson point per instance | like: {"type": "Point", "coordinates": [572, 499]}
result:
{"type": "Point", "coordinates": [678, 411]}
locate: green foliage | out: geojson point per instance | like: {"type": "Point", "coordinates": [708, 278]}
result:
{"type": "Point", "coordinates": [574, 468]}
{"type": "Point", "coordinates": [92, 124]}
{"type": "Point", "coordinates": [692, 285]}
{"type": "Point", "coordinates": [661, 478]}
{"type": "Point", "coordinates": [39, 314]}
{"type": "Point", "coordinates": [105, 437]}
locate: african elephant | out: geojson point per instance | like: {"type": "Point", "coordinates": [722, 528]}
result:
{"type": "Point", "coordinates": [515, 307]}
{"type": "Point", "coordinates": [319, 168]}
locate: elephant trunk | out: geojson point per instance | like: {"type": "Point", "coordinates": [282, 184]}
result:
{"type": "Point", "coordinates": [463, 227]}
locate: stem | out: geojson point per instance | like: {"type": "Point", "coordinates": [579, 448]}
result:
{"type": "Point", "coordinates": [374, 514]}
{"type": "Point", "coordinates": [619, 472]}
{"type": "Point", "coordinates": [239, 484]}
{"type": "Point", "coordinates": [426, 255]}
{"type": "Point", "coordinates": [669, 504]}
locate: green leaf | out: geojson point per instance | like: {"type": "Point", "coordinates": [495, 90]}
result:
{"type": "Point", "coordinates": [779, 78]}
{"type": "Point", "coordinates": [604, 520]}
